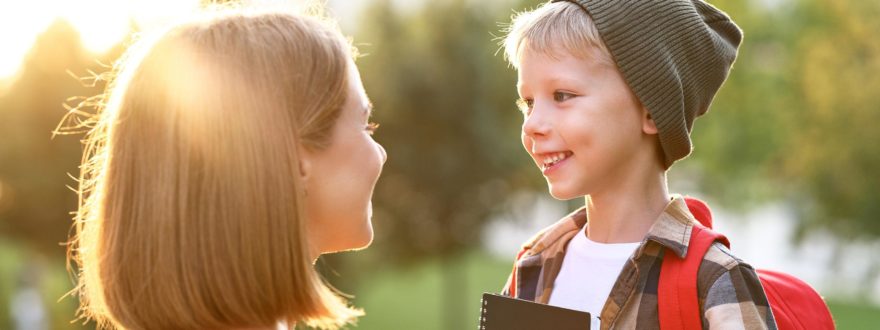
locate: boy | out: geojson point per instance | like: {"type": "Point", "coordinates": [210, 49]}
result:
{"type": "Point", "coordinates": [609, 91]}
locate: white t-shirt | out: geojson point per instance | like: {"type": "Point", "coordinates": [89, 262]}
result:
{"type": "Point", "coordinates": [588, 272]}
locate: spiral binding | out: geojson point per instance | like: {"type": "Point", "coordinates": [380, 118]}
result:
{"type": "Point", "coordinates": [483, 311]}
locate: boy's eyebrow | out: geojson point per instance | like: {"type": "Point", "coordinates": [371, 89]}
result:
{"type": "Point", "coordinates": [520, 86]}
{"type": "Point", "coordinates": [564, 80]}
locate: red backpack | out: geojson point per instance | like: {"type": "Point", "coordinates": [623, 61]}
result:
{"type": "Point", "coordinates": [794, 303]}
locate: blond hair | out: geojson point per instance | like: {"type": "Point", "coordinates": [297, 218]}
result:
{"type": "Point", "coordinates": [552, 28]}
{"type": "Point", "coordinates": [191, 205]}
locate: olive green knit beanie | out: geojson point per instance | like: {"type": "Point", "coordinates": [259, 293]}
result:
{"type": "Point", "coordinates": [673, 54]}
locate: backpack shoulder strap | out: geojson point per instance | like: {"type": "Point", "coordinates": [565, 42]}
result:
{"type": "Point", "coordinates": [677, 301]}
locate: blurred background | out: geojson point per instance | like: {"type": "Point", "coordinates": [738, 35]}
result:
{"type": "Point", "coordinates": [787, 156]}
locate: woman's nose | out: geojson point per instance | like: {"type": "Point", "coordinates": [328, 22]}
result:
{"type": "Point", "coordinates": [383, 152]}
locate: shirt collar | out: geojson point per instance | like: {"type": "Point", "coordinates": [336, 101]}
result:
{"type": "Point", "coordinates": [672, 229]}
{"type": "Point", "coordinates": [555, 237]}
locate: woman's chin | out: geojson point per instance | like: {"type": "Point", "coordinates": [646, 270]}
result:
{"type": "Point", "coordinates": [359, 241]}
{"type": "Point", "coordinates": [365, 240]}
{"type": "Point", "coordinates": [365, 245]}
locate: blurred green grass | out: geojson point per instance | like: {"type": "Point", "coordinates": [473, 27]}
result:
{"type": "Point", "coordinates": [393, 298]}
{"type": "Point", "coordinates": [411, 298]}
{"type": "Point", "coordinates": [853, 315]}
{"type": "Point", "coordinates": [50, 278]}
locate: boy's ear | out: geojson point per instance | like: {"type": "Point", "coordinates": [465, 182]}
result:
{"type": "Point", "coordinates": [648, 125]}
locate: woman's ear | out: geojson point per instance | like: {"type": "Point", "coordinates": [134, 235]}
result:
{"type": "Point", "coordinates": [305, 164]}
{"type": "Point", "coordinates": [648, 125]}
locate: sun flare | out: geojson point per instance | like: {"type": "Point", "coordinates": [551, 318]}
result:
{"type": "Point", "coordinates": [100, 23]}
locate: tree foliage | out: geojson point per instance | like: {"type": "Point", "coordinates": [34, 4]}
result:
{"type": "Point", "coordinates": [445, 103]}
{"type": "Point", "coordinates": [35, 168]}
{"type": "Point", "coordinates": [794, 121]}
{"type": "Point", "coordinates": [834, 149]}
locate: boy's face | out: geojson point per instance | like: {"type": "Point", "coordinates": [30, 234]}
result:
{"type": "Point", "coordinates": [582, 125]}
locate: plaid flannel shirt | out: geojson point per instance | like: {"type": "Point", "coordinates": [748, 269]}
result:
{"type": "Point", "coordinates": [729, 292]}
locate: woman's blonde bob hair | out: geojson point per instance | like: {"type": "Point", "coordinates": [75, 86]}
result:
{"type": "Point", "coordinates": [191, 205]}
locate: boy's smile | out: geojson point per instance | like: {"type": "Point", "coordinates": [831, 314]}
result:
{"type": "Point", "coordinates": [581, 123]}
{"type": "Point", "coordinates": [552, 160]}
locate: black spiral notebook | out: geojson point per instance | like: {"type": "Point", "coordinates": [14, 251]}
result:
{"type": "Point", "coordinates": [504, 313]}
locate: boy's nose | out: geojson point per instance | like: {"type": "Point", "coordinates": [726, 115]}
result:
{"type": "Point", "coordinates": [535, 124]}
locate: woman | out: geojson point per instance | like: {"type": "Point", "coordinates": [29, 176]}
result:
{"type": "Point", "coordinates": [232, 150]}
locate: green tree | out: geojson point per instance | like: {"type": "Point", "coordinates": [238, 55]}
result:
{"type": "Point", "coordinates": [795, 120]}
{"type": "Point", "coordinates": [833, 148]}
{"type": "Point", "coordinates": [446, 105]}
{"type": "Point", "coordinates": [34, 167]}
{"type": "Point", "coordinates": [35, 203]}
{"type": "Point", "coordinates": [737, 144]}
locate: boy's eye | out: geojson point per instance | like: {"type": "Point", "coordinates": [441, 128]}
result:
{"type": "Point", "coordinates": [371, 128]}
{"type": "Point", "coordinates": [561, 96]}
{"type": "Point", "coordinates": [525, 105]}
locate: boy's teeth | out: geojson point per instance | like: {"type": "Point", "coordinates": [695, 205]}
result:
{"type": "Point", "coordinates": [554, 158]}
